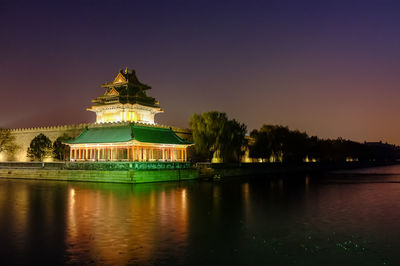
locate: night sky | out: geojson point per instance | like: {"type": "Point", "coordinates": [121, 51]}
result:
{"type": "Point", "coordinates": [330, 68]}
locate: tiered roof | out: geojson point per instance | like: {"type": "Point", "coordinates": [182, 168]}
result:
{"type": "Point", "coordinates": [125, 133]}
{"type": "Point", "coordinates": [126, 88]}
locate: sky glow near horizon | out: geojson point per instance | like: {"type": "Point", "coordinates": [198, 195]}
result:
{"type": "Point", "coordinates": [328, 68]}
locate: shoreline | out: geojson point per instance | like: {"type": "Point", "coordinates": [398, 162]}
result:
{"type": "Point", "coordinates": [128, 177]}
{"type": "Point", "coordinates": [216, 171]}
{"type": "Point", "coordinates": [133, 173]}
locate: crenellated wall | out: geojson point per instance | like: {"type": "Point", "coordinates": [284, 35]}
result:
{"type": "Point", "coordinates": [24, 136]}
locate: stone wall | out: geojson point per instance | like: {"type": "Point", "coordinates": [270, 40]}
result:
{"type": "Point", "coordinates": [128, 176]}
{"type": "Point", "coordinates": [24, 137]}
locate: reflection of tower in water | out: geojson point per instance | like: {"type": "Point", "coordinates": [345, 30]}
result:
{"type": "Point", "coordinates": [132, 225]}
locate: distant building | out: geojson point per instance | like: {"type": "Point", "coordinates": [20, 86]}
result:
{"type": "Point", "coordinates": [125, 129]}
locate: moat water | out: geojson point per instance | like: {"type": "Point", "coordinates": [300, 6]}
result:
{"type": "Point", "coordinates": [338, 219]}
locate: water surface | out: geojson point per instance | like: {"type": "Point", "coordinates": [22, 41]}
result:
{"type": "Point", "coordinates": [350, 219]}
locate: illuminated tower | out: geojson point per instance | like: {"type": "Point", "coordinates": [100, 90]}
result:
{"type": "Point", "coordinates": [125, 99]}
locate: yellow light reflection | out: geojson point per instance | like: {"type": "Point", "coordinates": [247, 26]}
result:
{"type": "Point", "coordinates": [71, 217]}
{"type": "Point", "coordinates": [307, 183]}
{"type": "Point", "coordinates": [116, 223]}
{"type": "Point", "coordinates": [246, 198]}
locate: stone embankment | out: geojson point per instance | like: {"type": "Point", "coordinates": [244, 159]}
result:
{"type": "Point", "coordinates": [116, 172]}
{"type": "Point", "coordinates": [143, 172]}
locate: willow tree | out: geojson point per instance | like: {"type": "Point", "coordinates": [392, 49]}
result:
{"type": "Point", "coordinates": [214, 132]}
{"type": "Point", "coordinates": [60, 150]}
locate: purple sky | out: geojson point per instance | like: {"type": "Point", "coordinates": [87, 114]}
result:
{"type": "Point", "coordinates": [330, 68]}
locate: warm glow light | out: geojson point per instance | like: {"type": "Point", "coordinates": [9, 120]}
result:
{"type": "Point", "coordinates": [129, 113]}
{"type": "Point", "coordinates": [246, 191]}
{"type": "Point", "coordinates": [183, 194]}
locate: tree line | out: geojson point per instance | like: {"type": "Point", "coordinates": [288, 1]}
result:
{"type": "Point", "coordinates": [214, 134]}
{"type": "Point", "coordinates": [217, 136]}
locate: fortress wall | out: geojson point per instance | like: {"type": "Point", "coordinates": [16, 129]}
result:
{"type": "Point", "coordinates": [24, 136]}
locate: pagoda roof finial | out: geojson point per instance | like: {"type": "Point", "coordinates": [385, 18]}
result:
{"type": "Point", "coordinates": [126, 70]}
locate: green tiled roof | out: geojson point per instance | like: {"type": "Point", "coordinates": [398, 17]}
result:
{"type": "Point", "coordinates": [156, 135]}
{"type": "Point", "coordinates": [104, 135]}
{"type": "Point", "coordinates": [128, 133]}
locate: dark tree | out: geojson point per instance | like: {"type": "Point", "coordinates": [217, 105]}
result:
{"type": "Point", "coordinates": [40, 148]}
{"type": "Point", "coordinates": [279, 143]}
{"type": "Point", "coordinates": [60, 150]}
{"type": "Point", "coordinates": [261, 144]}
{"type": "Point", "coordinates": [233, 141]}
